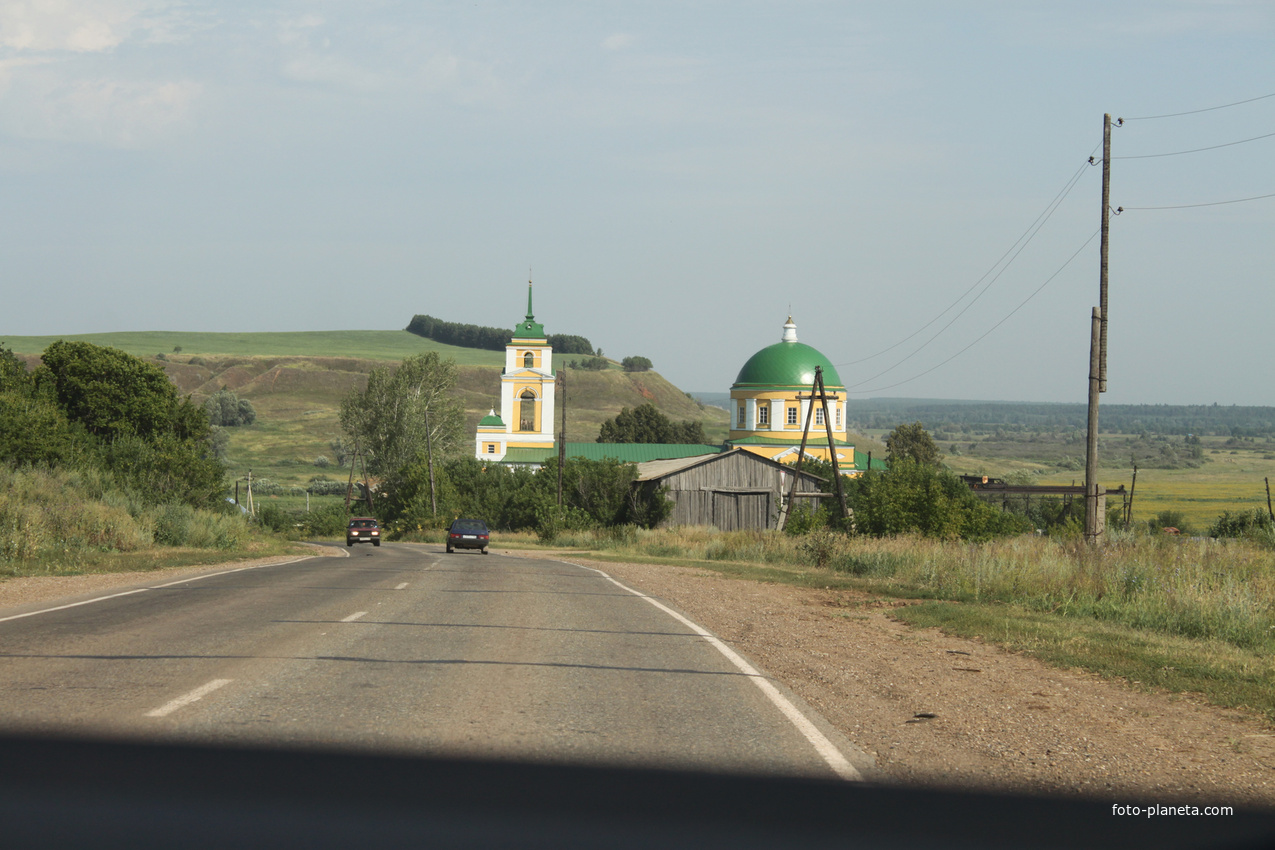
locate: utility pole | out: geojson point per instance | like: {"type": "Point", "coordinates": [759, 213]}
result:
{"type": "Point", "coordinates": [1093, 521]}
{"type": "Point", "coordinates": [1102, 250]}
{"type": "Point", "coordinates": [815, 387]}
{"type": "Point", "coordinates": [832, 445]}
{"type": "Point", "coordinates": [562, 434]}
{"type": "Point", "coordinates": [1098, 350]}
{"type": "Point", "coordinates": [429, 462]}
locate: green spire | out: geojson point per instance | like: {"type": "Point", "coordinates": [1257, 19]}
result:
{"type": "Point", "coordinates": [529, 328]}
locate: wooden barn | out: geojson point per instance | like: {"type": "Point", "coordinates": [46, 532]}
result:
{"type": "Point", "coordinates": [732, 490]}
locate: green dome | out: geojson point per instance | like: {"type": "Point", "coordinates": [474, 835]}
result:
{"type": "Point", "coordinates": [491, 420]}
{"type": "Point", "coordinates": [786, 364]}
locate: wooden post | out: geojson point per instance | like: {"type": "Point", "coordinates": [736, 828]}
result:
{"type": "Point", "coordinates": [367, 486]}
{"type": "Point", "coordinates": [1102, 251]}
{"type": "Point", "coordinates": [562, 433]}
{"type": "Point", "coordinates": [349, 484]}
{"type": "Point", "coordinates": [429, 463]}
{"type": "Point", "coordinates": [1093, 525]}
{"type": "Point", "coordinates": [1268, 500]}
{"type": "Point", "coordinates": [832, 446]}
{"type": "Point", "coordinates": [252, 509]}
{"type": "Point", "coordinates": [1128, 507]}
{"type": "Point", "coordinates": [786, 509]}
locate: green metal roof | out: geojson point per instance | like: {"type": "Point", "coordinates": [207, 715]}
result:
{"type": "Point", "coordinates": [638, 452]}
{"type": "Point", "coordinates": [816, 440]}
{"type": "Point", "coordinates": [528, 455]}
{"type": "Point", "coordinates": [786, 364]}
{"type": "Point", "coordinates": [623, 452]}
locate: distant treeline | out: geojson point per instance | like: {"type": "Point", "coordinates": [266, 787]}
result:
{"type": "Point", "coordinates": [978, 416]}
{"type": "Point", "coordinates": [489, 339]}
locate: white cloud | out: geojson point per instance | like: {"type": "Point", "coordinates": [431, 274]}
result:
{"type": "Point", "coordinates": [618, 41]}
{"type": "Point", "coordinates": [77, 26]}
{"type": "Point", "coordinates": [112, 112]}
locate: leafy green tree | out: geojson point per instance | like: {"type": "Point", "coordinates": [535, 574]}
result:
{"type": "Point", "coordinates": [914, 498]}
{"type": "Point", "coordinates": [387, 419]}
{"type": "Point", "coordinates": [13, 371]}
{"type": "Point", "coordinates": [636, 364]}
{"type": "Point", "coordinates": [35, 432]}
{"type": "Point", "coordinates": [646, 424]}
{"type": "Point", "coordinates": [569, 344]}
{"type": "Point", "coordinates": [912, 442]}
{"type": "Point", "coordinates": [166, 469]}
{"type": "Point", "coordinates": [226, 409]}
{"type": "Point", "coordinates": [114, 394]}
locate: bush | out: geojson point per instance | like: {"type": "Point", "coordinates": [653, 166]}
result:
{"type": "Point", "coordinates": [1251, 525]}
{"type": "Point", "coordinates": [636, 364]}
{"type": "Point", "coordinates": [228, 410]}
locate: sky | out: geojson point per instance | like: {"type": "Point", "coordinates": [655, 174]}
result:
{"type": "Point", "coordinates": [909, 180]}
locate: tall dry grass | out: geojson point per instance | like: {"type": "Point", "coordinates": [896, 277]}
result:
{"type": "Point", "coordinates": [61, 519]}
{"type": "Point", "coordinates": [1194, 588]}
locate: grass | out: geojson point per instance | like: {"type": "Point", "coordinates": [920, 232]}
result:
{"type": "Point", "coordinates": [364, 345]}
{"type": "Point", "coordinates": [66, 522]}
{"type": "Point", "coordinates": [1186, 616]}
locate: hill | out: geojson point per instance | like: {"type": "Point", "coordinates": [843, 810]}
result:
{"type": "Point", "coordinates": [367, 345]}
{"type": "Point", "coordinates": [296, 381]}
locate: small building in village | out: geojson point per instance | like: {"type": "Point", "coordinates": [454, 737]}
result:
{"type": "Point", "coordinates": [730, 490]}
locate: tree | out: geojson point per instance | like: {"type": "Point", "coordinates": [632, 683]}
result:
{"type": "Point", "coordinates": [912, 442]}
{"type": "Point", "coordinates": [915, 498]}
{"type": "Point", "coordinates": [388, 418]}
{"type": "Point", "coordinates": [228, 410]}
{"type": "Point", "coordinates": [13, 371]}
{"type": "Point", "coordinates": [636, 364]}
{"type": "Point", "coordinates": [646, 424]}
{"type": "Point", "coordinates": [114, 394]}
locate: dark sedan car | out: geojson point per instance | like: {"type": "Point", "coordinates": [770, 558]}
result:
{"type": "Point", "coordinates": [363, 529]}
{"type": "Point", "coordinates": [468, 534]}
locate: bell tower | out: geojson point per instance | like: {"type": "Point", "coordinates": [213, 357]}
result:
{"type": "Point", "coordinates": [526, 394]}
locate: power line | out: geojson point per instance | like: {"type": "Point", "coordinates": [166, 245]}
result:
{"type": "Point", "coordinates": [1196, 150]}
{"type": "Point", "coordinates": [986, 333]}
{"type": "Point", "coordinates": [1019, 244]}
{"type": "Point", "coordinates": [1209, 204]}
{"type": "Point", "coordinates": [1198, 111]}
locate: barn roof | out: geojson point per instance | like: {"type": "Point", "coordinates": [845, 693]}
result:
{"type": "Point", "coordinates": [657, 469]}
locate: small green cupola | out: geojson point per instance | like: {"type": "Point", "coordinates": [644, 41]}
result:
{"type": "Point", "coordinates": [529, 328]}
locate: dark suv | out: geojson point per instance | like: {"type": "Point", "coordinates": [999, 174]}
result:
{"type": "Point", "coordinates": [468, 534]}
{"type": "Point", "coordinates": [363, 529]}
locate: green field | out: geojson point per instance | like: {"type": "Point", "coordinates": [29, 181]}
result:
{"type": "Point", "coordinates": [364, 345]}
{"type": "Point", "coordinates": [296, 382]}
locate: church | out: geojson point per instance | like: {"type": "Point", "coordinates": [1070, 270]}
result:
{"type": "Point", "coordinates": [770, 400]}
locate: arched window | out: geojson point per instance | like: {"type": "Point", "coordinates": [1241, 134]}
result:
{"type": "Point", "coordinates": [528, 360]}
{"type": "Point", "coordinates": [527, 410]}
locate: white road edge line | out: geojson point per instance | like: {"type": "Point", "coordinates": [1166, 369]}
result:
{"type": "Point", "coordinates": [833, 756]}
{"type": "Point", "coordinates": [354, 616]}
{"type": "Point", "coordinates": [186, 699]}
{"type": "Point", "coordinates": [144, 589]}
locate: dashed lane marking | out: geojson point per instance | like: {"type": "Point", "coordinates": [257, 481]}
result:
{"type": "Point", "coordinates": [186, 699]}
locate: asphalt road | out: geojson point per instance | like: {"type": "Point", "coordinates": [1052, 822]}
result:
{"type": "Point", "coordinates": [403, 648]}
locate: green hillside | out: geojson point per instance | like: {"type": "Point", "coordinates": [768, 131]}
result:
{"type": "Point", "coordinates": [363, 345]}
{"type": "Point", "coordinates": [296, 381]}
